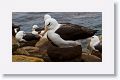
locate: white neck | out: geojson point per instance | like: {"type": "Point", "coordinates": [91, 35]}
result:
{"type": "Point", "coordinates": [54, 29]}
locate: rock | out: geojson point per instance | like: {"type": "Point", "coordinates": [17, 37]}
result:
{"type": "Point", "coordinates": [15, 44]}
{"type": "Point", "coordinates": [23, 58]}
{"type": "Point", "coordinates": [28, 43]}
{"type": "Point", "coordinates": [43, 45]}
{"type": "Point", "coordinates": [31, 49]}
{"type": "Point", "coordinates": [97, 53]}
{"type": "Point", "coordinates": [42, 42]}
{"type": "Point", "coordinates": [64, 54]}
{"type": "Point", "coordinates": [90, 58]}
{"type": "Point", "coordinates": [20, 51]}
{"type": "Point", "coordinates": [36, 52]}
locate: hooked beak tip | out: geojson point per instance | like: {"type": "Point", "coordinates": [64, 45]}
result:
{"type": "Point", "coordinates": [45, 30]}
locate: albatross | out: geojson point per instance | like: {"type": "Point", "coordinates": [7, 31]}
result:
{"type": "Point", "coordinates": [21, 36]}
{"type": "Point", "coordinates": [67, 34]}
{"type": "Point", "coordinates": [36, 30]}
{"type": "Point", "coordinates": [96, 44]}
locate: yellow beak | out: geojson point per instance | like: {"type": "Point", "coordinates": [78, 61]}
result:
{"type": "Point", "coordinates": [45, 30]}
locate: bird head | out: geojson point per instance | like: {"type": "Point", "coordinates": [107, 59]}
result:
{"type": "Point", "coordinates": [94, 38]}
{"type": "Point", "coordinates": [50, 24]}
{"type": "Point", "coordinates": [46, 16]}
{"type": "Point", "coordinates": [34, 27]}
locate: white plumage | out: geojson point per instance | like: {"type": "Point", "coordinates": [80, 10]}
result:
{"type": "Point", "coordinates": [95, 43]}
{"type": "Point", "coordinates": [46, 16]}
{"type": "Point", "coordinates": [19, 36]}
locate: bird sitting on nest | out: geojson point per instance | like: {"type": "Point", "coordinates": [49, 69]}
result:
{"type": "Point", "coordinates": [65, 38]}
{"type": "Point", "coordinates": [28, 39]}
{"type": "Point", "coordinates": [66, 35]}
{"type": "Point", "coordinates": [37, 30]}
{"type": "Point", "coordinates": [96, 46]}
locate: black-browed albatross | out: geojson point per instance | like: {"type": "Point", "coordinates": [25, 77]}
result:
{"type": "Point", "coordinates": [96, 44]}
{"type": "Point", "coordinates": [21, 36]}
{"type": "Point", "coordinates": [66, 35]}
{"type": "Point", "coordinates": [36, 30]}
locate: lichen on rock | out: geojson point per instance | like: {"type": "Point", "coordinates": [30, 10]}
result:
{"type": "Point", "coordinates": [15, 44]}
{"type": "Point", "coordinates": [23, 58]}
{"type": "Point", "coordinates": [90, 58]}
{"type": "Point", "coordinates": [20, 51]}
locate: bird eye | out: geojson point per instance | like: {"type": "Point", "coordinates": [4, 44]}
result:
{"type": "Point", "coordinates": [48, 24]}
{"type": "Point", "coordinates": [92, 37]}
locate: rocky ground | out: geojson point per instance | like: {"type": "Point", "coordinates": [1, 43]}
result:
{"type": "Point", "coordinates": [38, 52]}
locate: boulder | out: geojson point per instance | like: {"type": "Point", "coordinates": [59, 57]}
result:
{"type": "Point", "coordinates": [20, 51]}
{"type": "Point", "coordinates": [43, 45]}
{"type": "Point", "coordinates": [37, 52]}
{"type": "Point", "coordinates": [15, 44]}
{"type": "Point", "coordinates": [90, 58]}
{"type": "Point", "coordinates": [28, 43]}
{"type": "Point", "coordinates": [23, 58]}
{"type": "Point", "coordinates": [57, 54]}
{"type": "Point", "coordinates": [31, 49]}
{"type": "Point", "coordinates": [97, 53]}
{"type": "Point", "coordinates": [42, 42]}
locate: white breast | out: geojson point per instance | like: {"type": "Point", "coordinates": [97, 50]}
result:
{"type": "Point", "coordinates": [19, 37]}
{"type": "Point", "coordinates": [35, 32]}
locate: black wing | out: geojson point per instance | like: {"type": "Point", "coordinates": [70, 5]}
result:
{"type": "Point", "coordinates": [30, 37]}
{"type": "Point", "coordinates": [74, 32]}
{"type": "Point", "coordinates": [39, 29]}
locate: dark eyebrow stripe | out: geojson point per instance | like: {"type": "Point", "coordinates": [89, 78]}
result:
{"type": "Point", "coordinates": [48, 24]}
